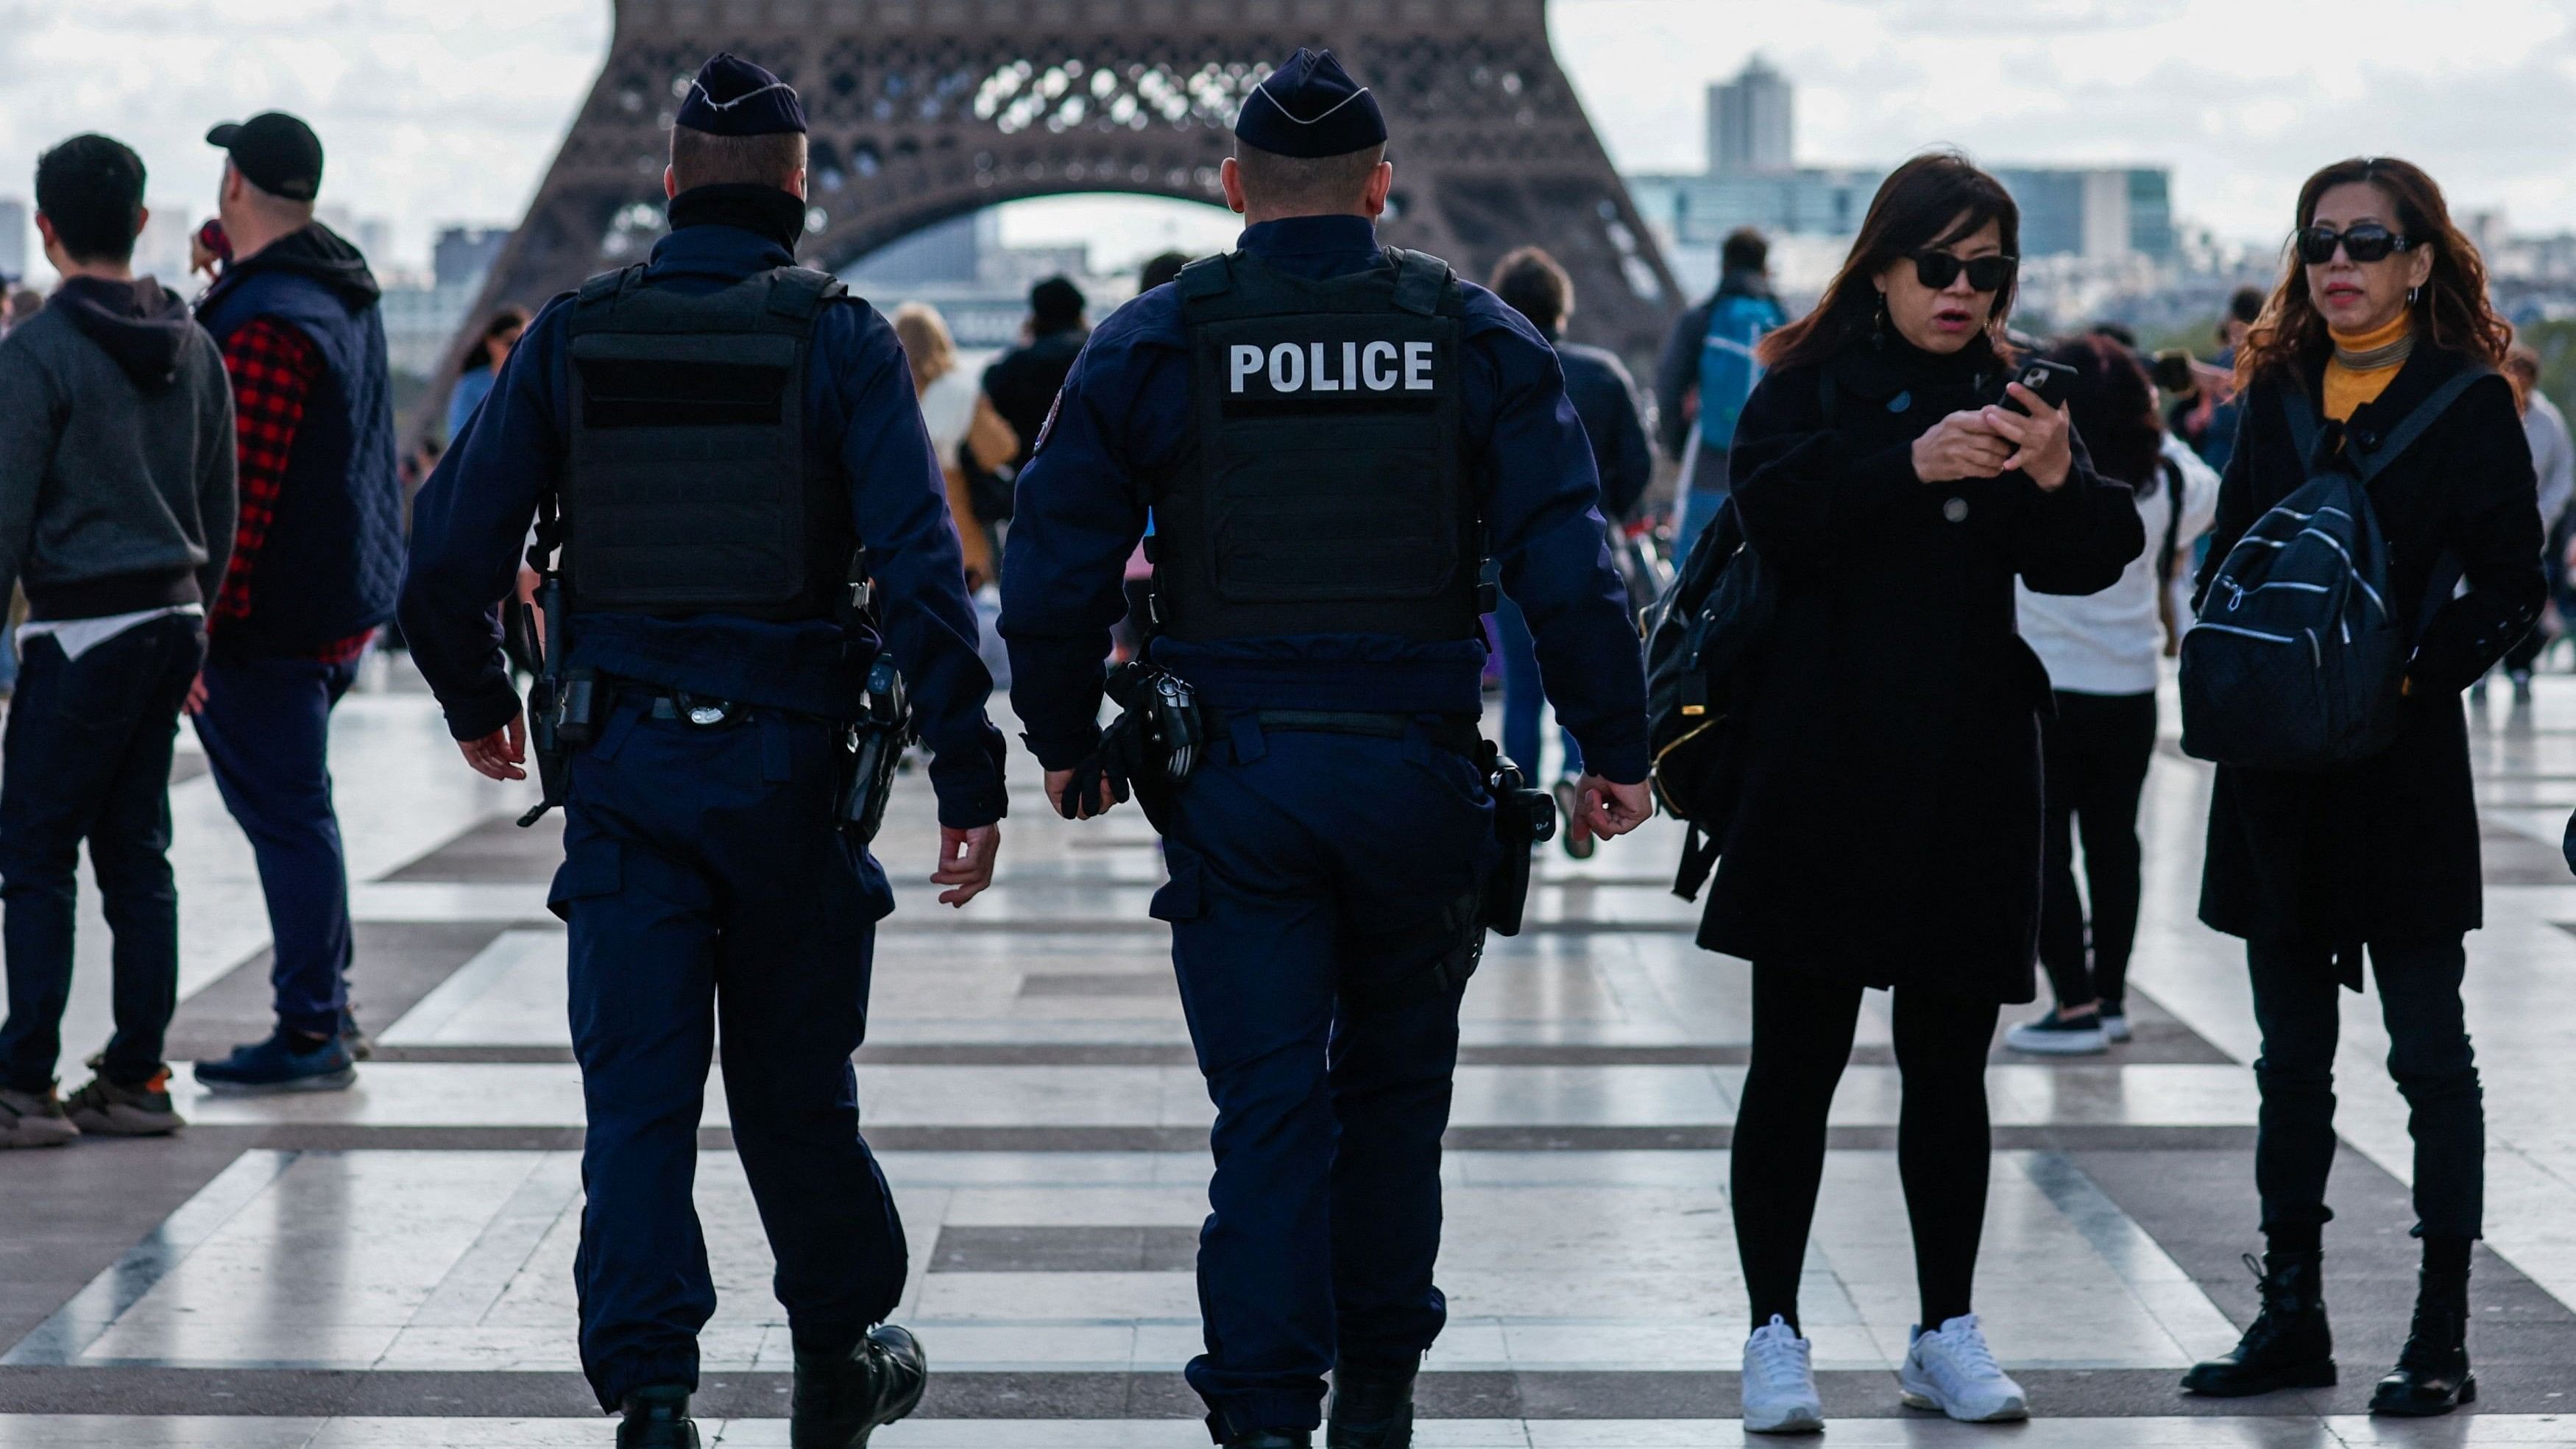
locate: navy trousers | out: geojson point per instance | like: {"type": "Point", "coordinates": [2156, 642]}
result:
{"type": "Point", "coordinates": [266, 726]}
{"type": "Point", "coordinates": [1306, 867]}
{"type": "Point", "coordinates": [705, 886]}
{"type": "Point", "coordinates": [1525, 698]}
{"type": "Point", "coordinates": [88, 758]}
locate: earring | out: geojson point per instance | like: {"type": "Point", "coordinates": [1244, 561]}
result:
{"type": "Point", "coordinates": [1878, 324]}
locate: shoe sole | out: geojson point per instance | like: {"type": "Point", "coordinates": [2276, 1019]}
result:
{"type": "Point", "coordinates": [2468, 1396]}
{"type": "Point", "coordinates": [129, 1124]}
{"type": "Point", "coordinates": [1916, 1399]}
{"type": "Point", "coordinates": [1800, 1420]}
{"type": "Point", "coordinates": [2048, 1046]}
{"type": "Point", "coordinates": [2311, 1378]}
{"type": "Point", "coordinates": [19, 1139]}
{"type": "Point", "coordinates": [326, 1082]}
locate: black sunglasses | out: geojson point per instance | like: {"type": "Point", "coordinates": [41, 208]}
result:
{"type": "Point", "coordinates": [2368, 242]}
{"type": "Point", "coordinates": [1937, 270]}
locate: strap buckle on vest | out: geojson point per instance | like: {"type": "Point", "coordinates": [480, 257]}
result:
{"type": "Point", "coordinates": [1207, 277]}
{"type": "Point", "coordinates": [800, 292]}
{"type": "Point", "coordinates": [1420, 279]}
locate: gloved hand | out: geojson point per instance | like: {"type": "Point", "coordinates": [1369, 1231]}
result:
{"type": "Point", "coordinates": [1091, 787]}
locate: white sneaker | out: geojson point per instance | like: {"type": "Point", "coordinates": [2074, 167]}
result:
{"type": "Point", "coordinates": [2115, 1026]}
{"type": "Point", "coordinates": [1780, 1382]}
{"type": "Point", "coordinates": [1951, 1369]}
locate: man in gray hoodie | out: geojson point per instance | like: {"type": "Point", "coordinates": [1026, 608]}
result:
{"type": "Point", "coordinates": [116, 514]}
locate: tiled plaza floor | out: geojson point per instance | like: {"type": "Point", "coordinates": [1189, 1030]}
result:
{"type": "Point", "coordinates": [391, 1266]}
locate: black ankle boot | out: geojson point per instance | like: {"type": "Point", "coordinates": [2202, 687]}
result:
{"type": "Point", "coordinates": [2289, 1345]}
{"type": "Point", "coordinates": [2432, 1375]}
{"type": "Point", "coordinates": [1233, 1438]}
{"type": "Point", "coordinates": [1372, 1409]}
{"type": "Point", "coordinates": [657, 1418]}
{"type": "Point", "coordinates": [842, 1398]}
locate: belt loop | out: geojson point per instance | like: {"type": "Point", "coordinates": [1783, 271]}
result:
{"type": "Point", "coordinates": [1245, 729]}
{"type": "Point", "coordinates": [777, 765]}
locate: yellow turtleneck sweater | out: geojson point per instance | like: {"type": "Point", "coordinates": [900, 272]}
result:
{"type": "Point", "coordinates": [2347, 388]}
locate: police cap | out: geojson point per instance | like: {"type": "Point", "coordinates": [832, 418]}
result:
{"type": "Point", "coordinates": [1310, 107]}
{"type": "Point", "coordinates": [733, 97]}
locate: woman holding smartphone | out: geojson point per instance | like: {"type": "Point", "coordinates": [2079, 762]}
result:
{"type": "Point", "coordinates": [2382, 302]}
{"type": "Point", "coordinates": [1888, 455]}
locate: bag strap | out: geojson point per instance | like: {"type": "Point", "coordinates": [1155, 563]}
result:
{"type": "Point", "coordinates": [2370, 462]}
{"type": "Point", "coordinates": [2304, 427]}
{"type": "Point", "coordinates": [2173, 520]}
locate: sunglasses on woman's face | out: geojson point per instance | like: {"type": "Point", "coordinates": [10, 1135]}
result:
{"type": "Point", "coordinates": [2368, 242]}
{"type": "Point", "coordinates": [1937, 270]}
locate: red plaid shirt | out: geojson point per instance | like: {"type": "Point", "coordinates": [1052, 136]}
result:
{"type": "Point", "coordinates": [274, 369]}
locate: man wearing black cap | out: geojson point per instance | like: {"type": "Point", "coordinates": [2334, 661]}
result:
{"type": "Point", "coordinates": [1023, 381]}
{"type": "Point", "coordinates": [1330, 437]}
{"type": "Point", "coordinates": [721, 430]}
{"type": "Point", "coordinates": [316, 557]}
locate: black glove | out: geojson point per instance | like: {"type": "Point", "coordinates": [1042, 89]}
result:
{"type": "Point", "coordinates": [1081, 798]}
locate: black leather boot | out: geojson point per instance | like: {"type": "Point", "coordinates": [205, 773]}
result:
{"type": "Point", "coordinates": [1372, 1409]}
{"type": "Point", "coordinates": [2289, 1345]}
{"type": "Point", "coordinates": [2432, 1374]}
{"type": "Point", "coordinates": [842, 1398]}
{"type": "Point", "coordinates": [657, 1418]}
{"type": "Point", "coordinates": [1223, 1432]}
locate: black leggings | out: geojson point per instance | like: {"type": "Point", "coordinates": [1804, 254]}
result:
{"type": "Point", "coordinates": [2096, 753]}
{"type": "Point", "coordinates": [1802, 1038]}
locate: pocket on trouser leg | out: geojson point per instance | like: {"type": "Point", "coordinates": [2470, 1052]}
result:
{"type": "Point", "coordinates": [1184, 896]}
{"type": "Point", "coordinates": [590, 868]}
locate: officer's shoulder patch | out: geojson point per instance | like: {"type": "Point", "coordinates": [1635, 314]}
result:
{"type": "Point", "coordinates": [1046, 429]}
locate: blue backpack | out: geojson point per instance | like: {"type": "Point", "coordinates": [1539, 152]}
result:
{"type": "Point", "coordinates": [2294, 660]}
{"type": "Point", "coordinates": [1727, 367]}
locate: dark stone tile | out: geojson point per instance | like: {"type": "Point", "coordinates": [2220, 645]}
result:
{"type": "Point", "coordinates": [1065, 1250]}
{"type": "Point", "coordinates": [396, 964]}
{"type": "Point", "coordinates": [72, 1211]}
{"type": "Point", "coordinates": [495, 851]}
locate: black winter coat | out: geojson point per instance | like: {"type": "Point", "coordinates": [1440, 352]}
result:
{"type": "Point", "coordinates": [1889, 826]}
{"type": "Point", "coordinates": [2386, 850]}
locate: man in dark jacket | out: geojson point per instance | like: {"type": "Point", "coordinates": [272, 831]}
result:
{"type": "Point", "coordinates": [116, 513]}
{"type": "Point", "coordinates": [1023, 382]}
{"type": "Point", "coordinates": [315, 565]}
{"type": "Point", "coordinates": [1706, 373]}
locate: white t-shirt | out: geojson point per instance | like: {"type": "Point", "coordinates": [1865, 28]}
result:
{"type": "Point", "coordinates": [948, 410]}
{"type": "Point", "coordinates": [2108, 643]}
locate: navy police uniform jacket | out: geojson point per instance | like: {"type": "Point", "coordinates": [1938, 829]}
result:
{"type": "Point", "coordinates": [1122, 418]}
{"type": "Point", "coordinates": [471, 520]}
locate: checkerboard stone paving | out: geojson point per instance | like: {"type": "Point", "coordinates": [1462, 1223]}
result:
{"type": "Point", "coordinates": [391, 1266]}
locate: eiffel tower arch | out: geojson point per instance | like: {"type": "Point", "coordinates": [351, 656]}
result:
{"type": "Point", "coordinates": [922, 110]}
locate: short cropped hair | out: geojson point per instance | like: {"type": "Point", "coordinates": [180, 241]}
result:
{"type": "Point", "coordinates": [1536, 287]}
{"type": "Point", "coordinates": [1744, 250]}
{"type": "Point", "coordinates": [2246, 305]}
{"type": "Point", "coordinates": [91, 189]}
{"type": "Point", "coordinates": [700, 159]}
{"type": "Point", "coordinates": [1316, 184]}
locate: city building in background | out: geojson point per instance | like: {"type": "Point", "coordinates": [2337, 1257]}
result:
{"type": "Point", "coordinates": [422, 314]}
{"type": "Point", "coordinates": [17, 239]}
{"type": "Point", "coordinates": [161, 251]}
{"type": "Point", "coordinates": [1751, 122]}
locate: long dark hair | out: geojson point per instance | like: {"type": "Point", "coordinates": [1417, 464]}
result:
{"type": "Point", "coordinates": [2113, 406]}
{"type": "Point", "coordinates": [1931, 201]}
{"type": "Point", "coordinates": [508, 317]}
{"type": "Point", "coordinates": [2451, 309]}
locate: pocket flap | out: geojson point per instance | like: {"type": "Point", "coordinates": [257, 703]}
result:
{"type": "Point", "coordinates": [591, 868]}
{"type": "Point", "coordinates": [1183, 897]}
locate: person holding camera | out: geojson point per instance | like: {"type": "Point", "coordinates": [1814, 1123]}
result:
{"type": "Point", "coordinates": [2383, 302]}
{"type": "Point", "coordinates": [1895, 451]}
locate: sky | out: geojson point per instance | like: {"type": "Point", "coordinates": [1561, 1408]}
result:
{"type": "Point", "coordinates": [439, 111]}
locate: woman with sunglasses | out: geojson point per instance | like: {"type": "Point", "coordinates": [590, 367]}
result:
{"type": "Point", "coordinates": [2382, 301]}
{"type": "Point", "coordinates": [1886, 457]}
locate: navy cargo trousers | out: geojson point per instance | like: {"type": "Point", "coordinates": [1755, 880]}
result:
{"type": "Point", "coordinates": [1310, 873]}
{"type": "Point", "coordinates": [705, 885]}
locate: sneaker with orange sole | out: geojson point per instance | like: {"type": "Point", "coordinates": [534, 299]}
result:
{"type": "Point", "coordinates": [109, 1110]}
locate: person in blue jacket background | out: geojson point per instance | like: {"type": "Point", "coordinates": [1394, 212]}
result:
{"type": "Point", "coordinates": [1361, 427]}
{"type": "Point", "coordinates": [704, 872]}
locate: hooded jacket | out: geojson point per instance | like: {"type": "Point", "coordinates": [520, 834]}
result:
{"type": "Point", "coordinates": [116, 454]}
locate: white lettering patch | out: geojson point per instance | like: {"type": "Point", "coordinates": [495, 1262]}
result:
{"type": "Point", "coordinates": [1326, 367]}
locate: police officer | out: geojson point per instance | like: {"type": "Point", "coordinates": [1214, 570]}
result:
{"type": "Point", "coordinates": [1329, 437]}
{"type": "Point", "coordinates": [723, 431]}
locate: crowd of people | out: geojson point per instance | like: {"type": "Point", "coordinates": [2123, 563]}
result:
{"type": "Point", "coordinates": [203, 506]}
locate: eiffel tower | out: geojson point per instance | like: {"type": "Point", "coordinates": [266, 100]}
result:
{"type": "Point", "coordinates": [923, 110]}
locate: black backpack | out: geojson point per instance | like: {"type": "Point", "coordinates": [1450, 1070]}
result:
{"type": "Point", "coordinates": [2294, 660]}
{"type": "Point", "coordinates": [1705, 644]}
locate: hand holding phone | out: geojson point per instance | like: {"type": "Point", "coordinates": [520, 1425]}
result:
{"type": "Point", "coordinates": [2051, 380]}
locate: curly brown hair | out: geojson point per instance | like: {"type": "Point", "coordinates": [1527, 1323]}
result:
{"type": "Point", "coordinates": [2451, 310]}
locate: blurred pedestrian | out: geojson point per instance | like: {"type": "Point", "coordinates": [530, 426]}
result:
{"type": "Point", "coordinates": [315, 563]}
{"type": "Point", "coordinates": [1158, 269]}
{"type": "Point", "coordinates": [24, 303]}
{"type": "Point", "coordinates": [2101, 652]}
{"type": "Point", "coordinates": [483, 363]}
{"type": "Point", "coordinates": [116, 511]}
{"type": "Point", "coordinates": [2553, 462]}
{"type": "Point", "coordinates": [1023, 382]}
{"type": "Point", "coordinates": [948, 409]}
{"type": "Point", "coordinates": [1707, 370]}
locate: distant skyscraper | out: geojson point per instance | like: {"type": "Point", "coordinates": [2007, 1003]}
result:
{"type": "Point", "coordinates": [462, 254]}
{"type": "Point", "coordinates": [1750, 122]}
{"type": "Point", "coordinates": [13, 240]}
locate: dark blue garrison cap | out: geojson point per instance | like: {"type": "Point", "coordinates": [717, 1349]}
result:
{"type": "Point", "coordinates": [1310, 107]}
{"type": "Point", "coordinates": [733, 97]}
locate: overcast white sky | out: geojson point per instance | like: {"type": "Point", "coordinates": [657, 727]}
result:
{"type": "Point", "coordinates": [444, 110]}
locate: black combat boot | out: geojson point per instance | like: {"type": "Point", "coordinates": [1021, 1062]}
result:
{"type": "Point", "coordinates": [2289, 1345]}
{"type": "Point", "coordinates": [842, 1398]}
{"type": "Point", "coordinates": [657, 1418]}
{"type": "Point", "coordinates": [1372, 1409]}
{"type": "Point", "coordinates": [1224, 1433]}
{"type": "Point", "coordinates": [2432, 1374]}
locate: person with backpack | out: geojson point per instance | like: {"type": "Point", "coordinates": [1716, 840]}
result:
{"type": "Point", "coordinates": [1890, 452]}
{"type": "Point", "coordinates": [2101, 652]}
{"type": "Point", "coordinates": [1707, 370]}
{"type": "Point", "coordinates": [2379, 349]}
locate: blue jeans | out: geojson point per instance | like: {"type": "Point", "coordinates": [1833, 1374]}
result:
{"type": "Point", "coordinates": [88, 758]}
{"type": "Point", "coordinates": [266, 726]}
{"type": "Point", "coordinates": [1524, 697]}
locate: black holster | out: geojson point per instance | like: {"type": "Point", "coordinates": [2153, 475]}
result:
{"type": "Point", "coordinates": [562, 702]}
{"type": "Point", "coordinates": [1155, 742]}
{"type": "Point", "coordinates": [871, 750]}
{"type": "Point", "coordinates": [1524, 819]}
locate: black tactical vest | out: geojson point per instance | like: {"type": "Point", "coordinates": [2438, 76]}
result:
{"type": "Point", "coordinates": [689, 488]}
{"type": "Point", "coordinates": [1322, 489]}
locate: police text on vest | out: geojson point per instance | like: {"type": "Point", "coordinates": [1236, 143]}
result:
{"type": "Point", "coordinates": [1371, 367]}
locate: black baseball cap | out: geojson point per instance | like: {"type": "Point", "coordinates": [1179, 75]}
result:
{"type": "Point", "coordinates": [276, 152]}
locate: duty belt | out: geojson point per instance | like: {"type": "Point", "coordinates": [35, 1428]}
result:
{"type": "Point", "coordinates": [1456, 735]}
{"type": "Point", "coordinates": [705, 711]}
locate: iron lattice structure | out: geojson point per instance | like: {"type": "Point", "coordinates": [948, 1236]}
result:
{"type": "Point", "coordinates": [923, 110]}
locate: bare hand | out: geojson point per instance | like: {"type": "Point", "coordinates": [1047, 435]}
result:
{"type": "Point", "coordinates": [500, 754]}
{"type": "Point", "coordinates": [196, 701]}
{"type": "Point", "coordinates": [1058, 780]}
{"type": "Point", "coordinates": [1962, 445]}
{"type": "Point", "coordinates": [2043, 440]}
{"type": "Point", "coordinates": [1610, 808]}
{"type": "Point", "coordinates": [966, 862]}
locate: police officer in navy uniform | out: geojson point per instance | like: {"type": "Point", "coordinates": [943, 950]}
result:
{"type": "Point", "coordinates": [1329, 437]}
{"type": "Point", "coordinates": [723, 432]}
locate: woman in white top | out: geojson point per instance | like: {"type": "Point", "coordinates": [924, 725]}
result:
{"type": "Point", "coordinates": [948, 393]}
{"type": "Point", "coordinates": [2101, 651]}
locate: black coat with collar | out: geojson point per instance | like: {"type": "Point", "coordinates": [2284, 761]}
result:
{"type": "Point", "coordinates": [1889, 827]}
{"type": "Point", "coordinates": [2386, 850]}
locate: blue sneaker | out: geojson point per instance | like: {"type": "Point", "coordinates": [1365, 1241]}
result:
{"type": "Point", "coordinates": [280, 1065]}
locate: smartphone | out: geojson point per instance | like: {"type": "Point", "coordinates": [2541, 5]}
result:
{"type": "Point", "coordinates": [2051, 380]}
